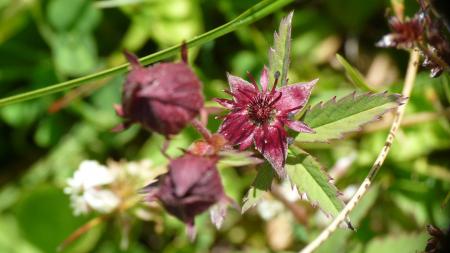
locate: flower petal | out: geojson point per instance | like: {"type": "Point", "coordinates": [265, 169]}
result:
{"type": "Point", "coordinates": [242, 90]}
{"type": "Point", "coordinates": [271, 141]}
{"type": "Point", "coordinates": [246, 143]}
{"type": "Point", "coordinates": [237, 127]}
{"type": "Point", "coordinates": [264, 80]}
{"type": "Point", "coordinates": [219, 210]}
{"type": "Point", "coordinates": [119, 110]}
{"type": "Point", "coordinates": [225, 102]}
{"type": "Point", "coordinates": [132, 59]}
{"type": "Point", "coordinates": [294, 95]}
{"type": "Point", "coordinates": [299, 126]}
{"type": "Point", "coordinates": [187, 170]}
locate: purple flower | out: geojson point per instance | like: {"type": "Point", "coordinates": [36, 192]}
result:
{"type": "Point", "coordinates": [191, 186]}
{"type": "Point", "coordinates": [404, 33]}
{"type": "Point", "coordinates": [164, 97]}
{"type": "Point", "coordinates": [259, 116]}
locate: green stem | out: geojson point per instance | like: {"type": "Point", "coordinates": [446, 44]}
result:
{"type": "Point", "coordinates": [251, 15]}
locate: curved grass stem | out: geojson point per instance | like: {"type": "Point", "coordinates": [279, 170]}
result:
{"type": "Point", "coordinates": [251, 15]}
{"type": "Point", "coordinates": [363, 188]}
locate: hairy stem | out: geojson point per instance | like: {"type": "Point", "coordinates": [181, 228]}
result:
{"type": "Point", "coordinates": [407, 88]}
{"type": "Point", "coordinates": [82, 230]}
{"type": "Point", "coordinates": [198, 125]}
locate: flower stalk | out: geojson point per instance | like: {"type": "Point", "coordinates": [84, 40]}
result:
{"type": "Point", "coordinates": [364, 187]}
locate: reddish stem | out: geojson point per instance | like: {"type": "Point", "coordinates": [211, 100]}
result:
{"type": "Point", "coordinates": [201, 129]}
{"type": "Point", "coordinates": [81, 230]}
{"type": "Point", "coordinates": [184, 52]}
{"type": "Point", "coordinates": [165, 147]}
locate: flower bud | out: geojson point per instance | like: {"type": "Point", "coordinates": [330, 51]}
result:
{"type": "Point", "coordinates": [163, 98]}
{"type": "Point", "coordinates": [191, 186]}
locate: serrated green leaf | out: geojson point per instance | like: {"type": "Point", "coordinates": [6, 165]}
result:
{"type": "Point", "coordinates": [309, 178]}
{"type": "Point", "coordinates": [262, 183]}
{"type": "Point", "coordinates": [354, 75]}
{"type": "Point", "coordinates": [332, 119]}
{"type": "Point", "coordinates": [279, 54]}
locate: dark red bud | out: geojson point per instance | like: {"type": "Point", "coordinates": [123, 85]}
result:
{"type": "Point", "coordinates": [163, 98]}
{"type": "Point", "coordinates": [191, 186]}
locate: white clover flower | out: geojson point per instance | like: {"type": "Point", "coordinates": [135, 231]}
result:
{"type": "Point", "coordinates": [88, 189]}
{"type": "Point", "coordinates": [103, 201]}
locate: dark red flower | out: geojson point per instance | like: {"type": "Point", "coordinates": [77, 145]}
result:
{"type": "Point", "coordinates": [259, 116]}
{"type": "Point", "coordinates": [164, 97]}
{"type": "Point", "coordinates": [439, 241]}
{"type": "Point", "coordinates": [191, 186]}
{"type": "Point", "coordinates": [424, 31]}
{"type": "Point", "coordinates": [404, 33]}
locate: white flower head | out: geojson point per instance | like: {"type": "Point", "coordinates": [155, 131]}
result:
{"type": "Point", "coordinates": [269, 208]}
{"type": "Point", "coordinates": [103, 201]}
{"type": "Point", "coordinates": [88, 189]}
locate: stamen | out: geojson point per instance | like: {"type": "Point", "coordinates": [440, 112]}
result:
{"type": "Point", "coordinates": [252, 79]}
{"type": "Point", "coordinates": [245, 94]}
{"type": "Point", "coordinates": [276, 99]}
{"type": "Point", "coordinates": [294, 108]}
{"type": "Point", "coordinates": [229, 92]}
{"type": "Point", "coordinates": [276, 76]}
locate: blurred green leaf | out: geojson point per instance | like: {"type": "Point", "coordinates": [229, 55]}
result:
{"type": "Point", "coordinates": [49, 131]}
{"type": "Point", "coordinates": [67, 15]}
{"type": "Point", "coordinates": [75, 54]}
{"type": "Point", "coordinates": [332, 119]}
{"type": "Point", "coordinates": [22, 115]}
{"type": "Point", "coordinates": [11, 239]}
{"type": "Point", "coordinates": [354, 75]}
{"type": "Point", "coordinates": [356, 15]}
{"type": "Point", "coordinates": [309, 177]}
{"type": "Point", "coordinates": [171, 22]}
{"type": "Point", "coordinates": [398, 243]}
{"type": "Point", "coordinates": [45, 218]}
{"type": "Point", "coordinates": [13, 18]}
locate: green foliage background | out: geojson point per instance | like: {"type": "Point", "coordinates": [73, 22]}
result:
{"type": "Point", "coordinates": [43, 141]}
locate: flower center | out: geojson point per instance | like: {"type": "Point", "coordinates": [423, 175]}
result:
{"type": "Point", "coordinates": [261, 110]}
